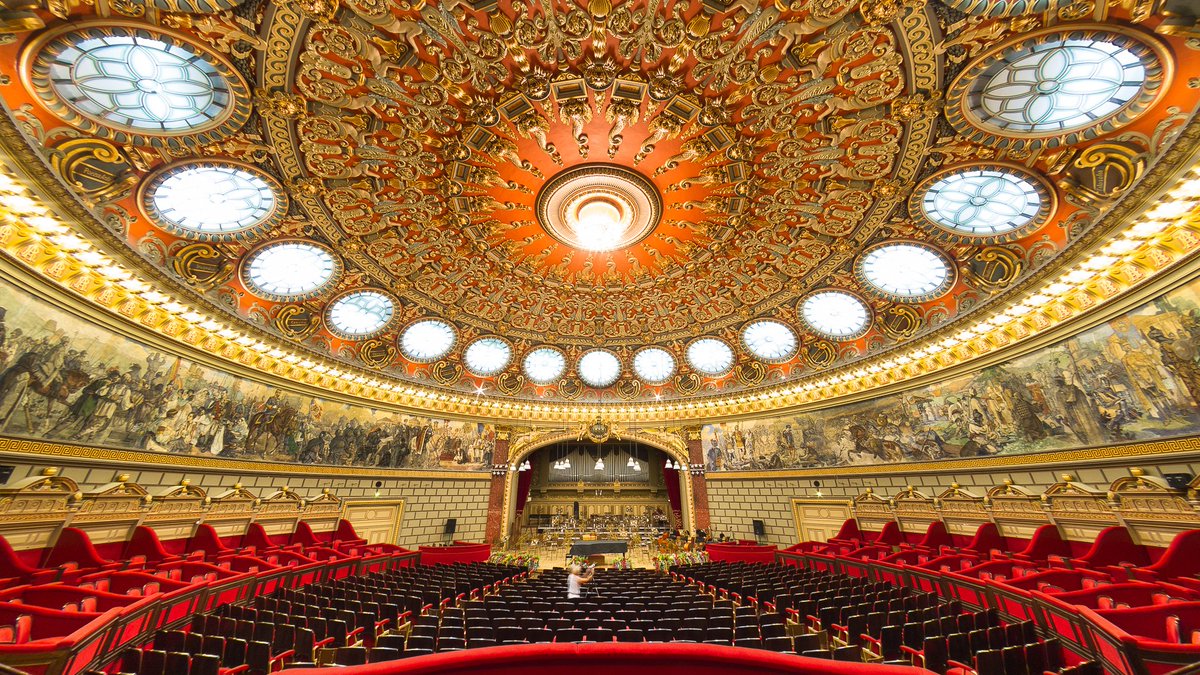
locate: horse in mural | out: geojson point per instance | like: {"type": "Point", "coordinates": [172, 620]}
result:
{"type": "Point", "coordinates": [21, 383]}
{"type": "Point", "coordinates": [269, 430]}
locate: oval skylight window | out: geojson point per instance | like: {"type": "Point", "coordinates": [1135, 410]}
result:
{"type": "Point", "coordinates": [487, 356]}
{"type": "Point", "coordinates": [835, 314]}
{"type": "Point", "coordinates": [290, 270]}
{"type": "Point", "coordinates": [905, 271]}
{"type": "Point", "coordinates": [599, 368]}
{"type": "Point", "coordinates": [710, 356]}
{"type": "Point", "coordinates": [769, 340]}
{"type": "Point", "coordinates": [654, 365]}
{"type": "Point", "coordinates": [427, 340]}
{"type": "Point", "coordinates": [544, 365]}
{"type": "Point", "coordinates": [360, 313]}
{"type": "Point", "coordinates": [983, 201]}
{"type": "Point", "coordinates": [217, 198]}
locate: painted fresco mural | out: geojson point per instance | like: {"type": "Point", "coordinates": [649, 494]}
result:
{"type": "Point", "coordinates": [1134, 378]}
{"type": "Point", "coordinates": [65, 379]}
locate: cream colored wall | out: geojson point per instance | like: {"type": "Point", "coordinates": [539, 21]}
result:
{"type": "Point", "coordinates": [734, 501]}
{"type": "Point", "coordinates": [428, 502]}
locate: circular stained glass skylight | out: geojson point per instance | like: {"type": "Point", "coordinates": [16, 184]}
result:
{"type": "Point", "coordinates": [599, 368]}
{"type": "Point", "coordinates": [126, 79]}
{"type": "Point", "coordinates": [835, 314]}
{"type": "Point", "coordinates": [654, 365]}
{"type": "Point", "coordinates": [769, 340]}
{"type": "Point", "coordinates": [487, 356]}
{"type": "Point", "coordinates": [710, 356]}
{"type": "Point", "coordinates": [983, 201]}
{"type": "Point", "coordinates": [427, 340]}
{"type": "Point", "coordinates": [544, 365]}
{"type": "Point", "coordinates": [1058, 85]}
{"type": "Point", "coordinates": [905, 271]}
{"type": "Point", "coordinates": [360, 313]}
{"type": "Point", "coordinates": [216, 198]}
{"type": "Point", "coordinates": [289, 270]}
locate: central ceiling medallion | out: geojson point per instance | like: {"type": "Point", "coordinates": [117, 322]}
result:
{"type": "Point", "coordinates": [599, 207]}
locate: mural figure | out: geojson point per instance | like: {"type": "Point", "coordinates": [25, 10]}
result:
{"type": "Point", "coordinates": [1135, 378]}
{"type": "Point", "coordinates": [64, 379]}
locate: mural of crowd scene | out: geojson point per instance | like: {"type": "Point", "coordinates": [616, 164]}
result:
{"type": "Point", "coordinates": [63, 378]}
{"type": "Point", "coordinates": [1134, 378]}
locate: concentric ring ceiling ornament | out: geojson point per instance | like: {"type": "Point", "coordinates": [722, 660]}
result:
{"type": "Point", "coordinates": [835, 314]}
{"type": "Point", "coordinates": [770, 341]}
{"type": "Point", "coordinates": [905, 271]}
{"type": "Point", "coordinates": [290, 270]}
{"type": "Point", "coordinates": [427, 340]}
{"type": "Point", "coordinates": [654, 365]}
{"type": "Point", "coordinates": [360, 314]}
{"type": "Point", "coordinates": [599, 207]}
{"type": "Point", "coordinates": [983, 202]}
{"type": "Point", "coordinates": [213, 201]}
{"type": "Point", "coordinates": [544, 365]}
{"type": "Point", "coordinates": [710, 356]}
{"type": "Point", "coordinates": [135, 84]}
{"type": "Point", "coordinates": [487, 356]}
{"type": "Point", "coordinates": [599, 368]}
{"type": "Point", "coordinates": [1059, 86]}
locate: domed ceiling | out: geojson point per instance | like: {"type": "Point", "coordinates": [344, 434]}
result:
{"type": "Point", "coordinates": [596, 200]}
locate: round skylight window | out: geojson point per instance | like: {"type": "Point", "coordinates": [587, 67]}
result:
{"type": "Point", "coordinates": [710, 356]}
{"type": "Point", "coordinates": [544, 365]}
{"type": "Point", "coordinates": [835, 314]}
{"type": "Point", "coordinates": [769, 340]}
{"type": "Point", "coordinates": [137, 81]}
{"type": "Point", "coordinates": [654, 365]}
{"type": "Point", "coordinates": [360, 313]}
{"type": "Point", "coordinates": [290, 270]}
{"type": "Point", "coordinates": [905, 271]}
{"type": "Point", "coordinates": [427, 340]}
{"type": "Point", "coordinates": [599, 368]}
{"type": "Point", "coordinates": [487, 356]}
{"type": "Point", "coordinates": [213, 199]}
{"type": "Point", "coordinates": [983, 201]}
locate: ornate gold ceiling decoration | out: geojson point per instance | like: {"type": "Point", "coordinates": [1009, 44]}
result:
{"type": "Point", "coordinates": [771, 156]}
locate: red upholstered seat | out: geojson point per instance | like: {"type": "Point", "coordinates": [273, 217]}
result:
{"type": "Point", "coordinates": [1113, 552]}
{"type": "Point", "coordinates": [1130, 594]}
{"type": "Point", "coordinates": [74, 547]}
{"type": "Point", "coordinates": [1046, 541]}
{"type": "Point", "coordinates": [1181, 559]}
{"type": "Point", "coordinates": [986, 540]}
{"type": "Point", "coordinates": [1058, 580]}
{"type": "Point", "coordinates": [935, 538]}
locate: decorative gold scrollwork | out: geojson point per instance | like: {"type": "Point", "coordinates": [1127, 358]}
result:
{"type": "Point", "coordinates": [629, 389]}
{"type": "Point", "coordinates": [377, 353]}
{"type": "Point", "coordinates": [202, 265]}
{"type": "Point", "coordinates": [750, 372]}
{"type": "Point", "coordinates": [510, 383]}
{"type": "Point", "coordinates": [447, 373]}
{"type": "Point", "coordinates": [820, 354]}
{"type": "Point", "coordinates": [297, 322]}
{"type": "Point", "coordinates": [993, 268]}
{"type": "Point", "coordinates": [687, 384]}
{"type": "Point", "coordinates": [98, 170]}
{"type": "Point", "coordinates": [571, 388]}
{"type": "Point", "coordinates": [900, 322]}
{"type": "Point", "coordinates": [1103, 171]}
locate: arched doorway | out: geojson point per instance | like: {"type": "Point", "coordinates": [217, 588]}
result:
{"type": "Point", "coordinates": [543, 449]}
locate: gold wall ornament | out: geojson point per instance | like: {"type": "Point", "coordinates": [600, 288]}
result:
{"type": "Point", "coordinates": [629, 388]}
{"type": "Point", "coordinates": [446, 373]}
{"type": "Point", "coordinates": [570, 388]}
{"type": "Point", "coordinates": [687, 383]}
{"type": "Point", "coordinates": [20, 16]}
{"type": "Point", "coordinates": [599, 431]}
{"type": "Point", "coordinates": [992, 269]}
{"type": "Point", "coordinates": [899, 322]}
{"type": "Point", "coordinates": [1104, 171]}
{"type": "Point", "coordinates": [510, 383]}
{"type": "Point", "coordinates": [750, 373]}
{"type": "Point", "coordinates": [820, 354]}
{"type": "Point", "coordinates": [202, 265]}
{"type": "Point", "coordinates": [227, 32]}
{"type": "Point", "coordinates": [377, 353]}
{"type": "Point", "coordinates": [98, 170]}
{"type": "Point", "coordinates": [297, 322]}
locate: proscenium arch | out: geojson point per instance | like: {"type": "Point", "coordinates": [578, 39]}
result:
{"type": "Point", "coordinates": [679, 454]}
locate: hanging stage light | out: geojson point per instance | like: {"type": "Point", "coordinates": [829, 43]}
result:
{"type": "Point", "coordinates": [630, 462]}
{"type": "Point", "coordinates": [600, 464]}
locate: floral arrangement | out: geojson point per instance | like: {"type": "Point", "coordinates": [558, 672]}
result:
{"type": "Point", "coordinates": [622, 564]}
{"type": "Point", "coordinates": [526, 560]}
{"type": "Point", "coordinates": [665, 561]}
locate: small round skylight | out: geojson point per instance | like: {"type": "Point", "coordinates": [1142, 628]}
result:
{"type": "Point", "coordinates": [360, 313]}
{"type": "Point", "coordinates": [905, 271]}
{"type": "Point", "coordinates": [983, 201]}
{"type": "Point", "coordinates": [835, 314]}
{"type": "Point", "coordinates": [487, 356]}
{"type": "Point", "coordinates": [710, 356]}
{"type": "Point", "coordinates": [217, 198]}
{"type": "Point", "coordinates": [599, 368]}
{"type": "Point", "coordinates": [427, 340]}
{"type": "Point", "coordinates": [654, 365]}
{"type": "Point", "coordinates": [769, 340]}
{"type": "Point", "coordinates": [544, 365]}
{"type": "Point", "coordinates": [290, 270]}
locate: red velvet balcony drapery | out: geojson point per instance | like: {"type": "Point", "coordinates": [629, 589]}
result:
{"type": "Point", "coordinates": [671, 478]}
{"type": "Point", "coordinates": [647, 658]}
